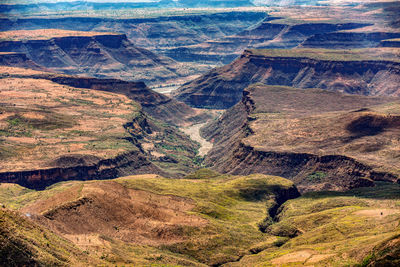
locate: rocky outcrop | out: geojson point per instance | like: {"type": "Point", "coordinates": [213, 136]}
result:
{"type": "Point", "coordinates": [223, 87]}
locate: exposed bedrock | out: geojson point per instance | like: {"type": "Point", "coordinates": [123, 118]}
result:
{"type": "Point", "coordinates": [101, 56]}
{"type": "Point", "coordinates": [263, 35]}
{"type": "Point", "coordinates": [18, 60]}
{"type": "Point", "coordinates": [156, 34]}
{"type": "Point", "coordinates": [223, 87]}
{"type": "Point", "coordinates": [340, 172]}
{"type": "Point", "coordinates": [346, 40]}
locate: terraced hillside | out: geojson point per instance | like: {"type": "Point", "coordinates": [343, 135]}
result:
{"type": "Point", "coordinates": [56, 127]}
{"type": "Point", "coordinates": [155, 30]}
{"type": "Point", "coordinates": [101, 55]}
{"type": "Point", "coordinates": [271, 33]}
{"type": "Point", "coordinates": [373, 71]}
{"type": "Point", "coordinates": [321, 140]}
{"type": "Point", "coordinates": [330, 26]}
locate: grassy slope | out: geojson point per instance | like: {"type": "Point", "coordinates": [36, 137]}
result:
{"type": "Point", "coordinates": [334, 229]}
{"type": "Point", "coordinates": [25, 243]}
{"type": "Point", "coordinates": [323, 228]}
{"type": "Point", "coordinates": [232, 205]}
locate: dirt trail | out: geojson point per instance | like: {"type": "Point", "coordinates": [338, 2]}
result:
{"type": "Point", "coordinates": [194, 133]}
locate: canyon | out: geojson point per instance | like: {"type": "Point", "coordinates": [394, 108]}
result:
{"type": "Point", "coordinates": [199, 133]}
{"type": "Point", "coordinates": [364, 72]}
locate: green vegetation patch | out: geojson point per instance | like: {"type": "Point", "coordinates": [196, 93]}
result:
{"type": "Point", "coordinates": [19, 125]}
{"type": "Point", "coordinates": [233, 205]}
{"type": "Point", "coordinates": [339, 228]}
{"type": "Point", "coordinates": [24, 243]}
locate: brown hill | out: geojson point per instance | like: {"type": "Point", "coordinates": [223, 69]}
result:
{"type": "Point", "coordinates": [205, 219]}
{"type": "Point", "coordinates": [319, 139]}
{"type": "Point", "coordinates": [364, 72]}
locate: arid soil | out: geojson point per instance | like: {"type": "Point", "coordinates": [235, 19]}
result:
{"type": "Point", "coordinates": [322, 140]}
{"type": "Point", "coordinates": [194, 133]}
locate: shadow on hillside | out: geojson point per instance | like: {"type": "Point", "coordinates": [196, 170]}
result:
{"type": "Point", "coordinates": [382, 190]}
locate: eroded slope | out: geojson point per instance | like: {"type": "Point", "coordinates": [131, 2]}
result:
{"type": "Point", "coordinates": [56, 127]}
{"type": "Point", "coordinates": [321, 140]}
{"type": "Point", "coordinates": [364, 72]}
{"type": "Point", "coordinates": [101, 55]}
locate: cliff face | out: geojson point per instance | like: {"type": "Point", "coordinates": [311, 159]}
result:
{"type": "Point", "coordinates": [264, 35]}
{"type": "Point", "coordinates": [18, 60]}
{"type": "Point", "coordinates": [112, 56]}
{"type": "Point", "coordinates": [156, 34]}
{"type": "Point", "coordinates": [248, 138]}
{"type": "Point", "coordinates": [125, 164]}
{"type": "Point", "coordinates": [348, 40]}
{"type": "Point", "coordinates": [222, 87]}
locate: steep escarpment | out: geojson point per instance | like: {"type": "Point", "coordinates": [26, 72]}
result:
{"type": "Point", "coordinates": [348, 40]}
{"type": "Point", "coordinates": [19, 60]}
{"type": "Point", "coordinates": [99, 55]}
{"type": "Point", "coordinates": [263, 35]}
{"type": "Point", "coordinates": [154, 33]}
{"type": "Point", "coordinates": [80, 168]}
{"type": "Point", "coordinates": [332, 70]}
{"type": "Point", "coordinates": [309, 136]}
